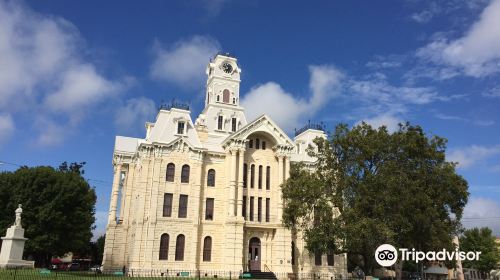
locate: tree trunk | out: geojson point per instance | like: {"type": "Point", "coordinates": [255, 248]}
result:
{"type": "Point", "coordinates": [398, 267]}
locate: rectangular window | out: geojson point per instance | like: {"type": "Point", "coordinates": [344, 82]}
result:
{"type": "Point", "coordinates": [209, 209]}
{"type": "Point", "coordinates": [257, 143]}
{"type": "Point", "coordinates": [180, 127]}
{"type": "Point", "coordinates": [259, 209]}
{"type": "Point", "coordinates": [329, 259]}
{"type": "Point", "coordinates": [268, 178]}
{"type": "Point", "coordinates": [167, 205]}
{"type": "Point", "coordinates": [260, 177]}
{"type": "Point", "coordinates": [220, 122]}
{"type": "Point", "coordinates": [183, 204]}
{"type": "Point", "coordinates": [268, 209]}
{"type": "Point", "coordinates": [252, 176]}
{"type": "Point", "coordinates": [245, 175]}
{"type": "Point", "coordinates": [233, 124]}
{"type": "Point", "coordinates": [250, 143]}
{"type": "Point", "coordinates": [251, 208]}
{"type": "Point", "coordinates": [263, 145]}
{"type": "Point", "coordinates": [244, 207]}
{"type": "Point", "coordinates": [317, 258]}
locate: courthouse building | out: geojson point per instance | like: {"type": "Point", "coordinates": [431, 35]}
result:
{"type": "Point", "coordinates": [206, 195]}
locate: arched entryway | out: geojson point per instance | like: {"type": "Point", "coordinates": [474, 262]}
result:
{"type": "Point", "coordinates": [254, 254]}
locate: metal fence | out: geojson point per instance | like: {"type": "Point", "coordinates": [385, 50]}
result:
{"type": "Point", "coordinates": [35, 274]}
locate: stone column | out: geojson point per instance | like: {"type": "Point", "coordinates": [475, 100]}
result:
{"type": "Point", "coordinates": [232, 183]}
{"type": "Point", "coordinates": [280, 169]}
{"type": "Point", "coordinates": [287, 167]}
{"type": "Point", "coordinates": [239, 205]}
{"type": "Point", "coordinates": [114, 194]}
{"type": "Point", "coordinates": [280, 181]}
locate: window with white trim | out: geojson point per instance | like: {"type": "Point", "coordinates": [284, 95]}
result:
{"type": "Point", "coordinates": [181, 126]}
{"type": "Point", "coordinates": [233, 124]}
{"type": "Point", "coordinates": [220, 122]}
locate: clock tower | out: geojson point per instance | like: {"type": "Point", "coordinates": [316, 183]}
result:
{"type": "Point", "coordinates": [222, 114]}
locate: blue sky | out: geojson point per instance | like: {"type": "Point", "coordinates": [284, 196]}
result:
{"type": "Point", "coordinates": [75, 74]}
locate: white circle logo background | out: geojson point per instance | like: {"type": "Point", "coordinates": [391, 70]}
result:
{"type": "Point", "coordinates": [386, 255]}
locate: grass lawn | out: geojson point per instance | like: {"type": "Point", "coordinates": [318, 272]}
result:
{"type": "Point", "coordinates": [36, 274]}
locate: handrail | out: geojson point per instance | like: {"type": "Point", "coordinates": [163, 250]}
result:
{"type": "Point", "coordinates": [310, 125]}
{"type": "Point", "coordinates": [266, 268]}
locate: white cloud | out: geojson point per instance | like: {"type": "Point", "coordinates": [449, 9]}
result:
{"type": "Point", "coordinates": [324, 84]}
{"type": "Point", "coordinates": [391, 122]}
{"type": "Point", "coordinates": [469, 156]}
{"type": "Point", "coordinates": [185, 61]}
{"type": "Point", "coordinates": [385, 62]}
{"type": "Point", "coordinates": [50, 132]}
{"type": "Point", "coordinates": [427, 14]}
{"type": "Point", "coordinates": [494, 92]}
{"type": "Point", "coordinates": [7, 128]}
{"type": "Point", "coordinates": [43, 70]}
{"type": "Point", "coordinates": [476, 122]}
{"type": "Point", "coordinates": [479, 212]}
{"type": "Point", "coordinates": [134, 114]}
{"type": "Point", "coordinates": [214, 7]}
{"type": "Point", "coordinates": [81, 86]}
{"type": "Point", "coordinates": [33, 49]}
{"type": "Point", "coordinates": [477, 52]}
{"type": "Point", "coordinates": [381, 91]}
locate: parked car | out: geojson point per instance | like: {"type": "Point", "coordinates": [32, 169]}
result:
{"type": "Point", "coordinates": [74, 267]}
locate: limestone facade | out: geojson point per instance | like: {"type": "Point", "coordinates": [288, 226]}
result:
{"type": "Point", "coordinates": [206, 195]}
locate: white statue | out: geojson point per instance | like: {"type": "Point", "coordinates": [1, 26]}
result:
{"type": "Point", "coordinates": [11, 254]}
{"type": "Point", "coordinates": [19, 211]}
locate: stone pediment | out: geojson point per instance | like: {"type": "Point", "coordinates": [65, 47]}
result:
{"type": "Point", "coordinates": [263, 124]}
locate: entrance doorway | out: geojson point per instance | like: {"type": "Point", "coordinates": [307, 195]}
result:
{"type": "Point", "coordinates": [254, 254]}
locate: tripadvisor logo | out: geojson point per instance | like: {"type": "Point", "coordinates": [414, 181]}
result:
{"type": "Point", "coordinates": [387, 255]}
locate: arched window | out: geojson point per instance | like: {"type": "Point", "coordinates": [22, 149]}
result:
{"type": "Point", "coordinates": [225, 96]}
{"type": "Point", "coordinates": [252, 175]}
{"type": "Point", "coordinates": [250, 143]}
{"type": "Point", "coordinates": [185, 174]}
{"type": "Point", "coordinates": [218, 98]}
{"type": "Point", "coordinates": [211, 178]}
{"type": "Point", "coordinates": [170, 172]}
{"type": "Point", "coordinates": [268, 178]}
{"type": "Point", "coordinates": [257, 143]}
{"type": "Point", "coordinates": [164, 240]}
{"type": "Point", "coordinates": [179, 247]}
{"type": "Point", "coordinates": [207, 249]}
{"type": "Point", "coordinates": [263, 145]}
{"type": "Point", "coordinates": [245, 175]}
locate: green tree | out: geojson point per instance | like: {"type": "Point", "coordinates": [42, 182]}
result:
{"type": "Point", "coordinates": [58, 209]}
{"type": "Point", "coordinates": [384, 188]}
{"type": "Point", "coordinates": [482, 240]}
{"type": "Point", "coordinates": [97, 249]}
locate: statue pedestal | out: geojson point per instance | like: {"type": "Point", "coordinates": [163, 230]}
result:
{"type": "Point", "coordinates": [13, 247]}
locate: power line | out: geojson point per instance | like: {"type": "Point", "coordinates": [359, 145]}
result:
{"type": "Point", "coordinates": [9, 163]}
{"type": "Point", "coordinates": [481, 218]}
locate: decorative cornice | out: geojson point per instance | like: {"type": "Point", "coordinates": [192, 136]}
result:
{"type": "Point", "coordinates": [248, 129]}
{"type": "Point", "coordinates": [283, 150]}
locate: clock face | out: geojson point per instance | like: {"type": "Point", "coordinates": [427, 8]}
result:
{"type": "Point", "coordinates": [226, 67]}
